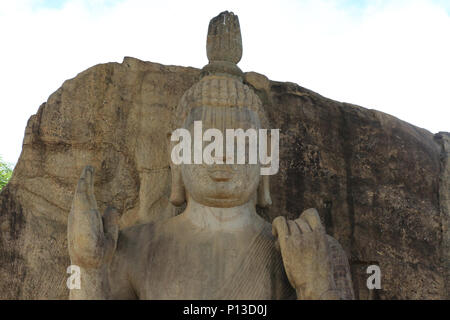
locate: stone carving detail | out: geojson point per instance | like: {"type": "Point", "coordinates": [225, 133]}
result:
{"type": "Point", "coordinates": [226, 250]}
{"type": "Point", "coordinates": [379, 184]}
{"type": "Point", "coordinates": [224, 42]}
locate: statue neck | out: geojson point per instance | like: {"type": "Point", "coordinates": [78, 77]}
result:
{"type": "Point", "coordinates": [225, 219]}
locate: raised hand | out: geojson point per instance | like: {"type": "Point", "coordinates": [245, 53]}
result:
{"type": "Point", "coordinates": [306, 258]}
{"type": "Point", "coordinates": [92, 239]}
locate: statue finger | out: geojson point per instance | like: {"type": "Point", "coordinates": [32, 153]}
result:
{"type": "Point", "coordinates": [88, 223]}
{"type": "Point", "coordinates": [293, 228]}
{"type": "Point", "coordinates": [85, 216]}
{"type": "Point", "coordinates": [84, 191]}
{"type": "Point", "coordinates": [111, 223]}
{"type": "Point", "coordinates": [311, 216]}
{"type": "Point", "coordinates": [111, 229]}
{"type": "Point", "coordinates": [83, 182]}
{"type": "Point", "coordinates": [280, 230]}
{"type": "Point", "coordinates": [303, 225]}
{"type": "Point", "coordinates": [89, 177]}
{"type": "Point", "coordinates": [280, 227]}
{"type": "Point", "coordinates": [81, 202]}
{"type": "Point", "coordinates": [82, 185]}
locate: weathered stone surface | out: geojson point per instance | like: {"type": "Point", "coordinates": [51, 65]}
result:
{"type": "Point", "coordinates": [443, 139]}
{"type": "Point", "coordinates": [226, 249]}
{"type": "Point", "coordinates": [379, 183]}
{"type": "Point", "coordinates": [224, 42]}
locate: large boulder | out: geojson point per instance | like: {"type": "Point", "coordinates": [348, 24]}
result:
{"type": "Point", "coordinates": [380, 184]}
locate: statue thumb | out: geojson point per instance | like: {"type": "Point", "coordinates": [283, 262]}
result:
{"type": "Point", "coordinates": [111, 226]}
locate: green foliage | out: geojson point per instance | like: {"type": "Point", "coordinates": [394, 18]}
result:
{"type": "Point", "coordinates": [5, 173]}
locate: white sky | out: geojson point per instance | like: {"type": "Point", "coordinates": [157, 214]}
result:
{"type": "Point", "coordinates": [392, 56]}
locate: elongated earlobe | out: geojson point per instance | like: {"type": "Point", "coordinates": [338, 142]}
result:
{"type": "Point", "coordinates": [177, 191]}
{"type": "Point", "coordinates": [264, 199]}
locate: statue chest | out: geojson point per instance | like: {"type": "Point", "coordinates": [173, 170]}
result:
{"type": "Point", "coordinates": [205, 266]}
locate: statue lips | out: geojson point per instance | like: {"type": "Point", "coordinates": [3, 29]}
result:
{"type": "Point", "coordinates": [221, 174]}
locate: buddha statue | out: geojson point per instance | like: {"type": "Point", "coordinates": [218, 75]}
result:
{"type": "Point", "coordinates": [218, 247]}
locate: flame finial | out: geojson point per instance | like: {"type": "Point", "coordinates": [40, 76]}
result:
{"type": "Point", "coordinates": [224, 45]}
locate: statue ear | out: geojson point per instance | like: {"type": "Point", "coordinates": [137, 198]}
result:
{"type": "Point", "coordinates": [177, 191]}
{"type": "Point", "coordinates": [264, 199]}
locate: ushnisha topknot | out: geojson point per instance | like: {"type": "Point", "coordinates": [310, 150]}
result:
{"type": "Point", "coordinates": [221, 83]}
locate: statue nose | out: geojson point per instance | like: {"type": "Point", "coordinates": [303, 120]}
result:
{"type": "Point", "coordinates": [222, 158]}
{"type": "Point", "coordinates": [229, 159]}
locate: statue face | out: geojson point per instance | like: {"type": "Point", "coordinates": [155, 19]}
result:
{"type": "Point", "coordinates": [221, 185]}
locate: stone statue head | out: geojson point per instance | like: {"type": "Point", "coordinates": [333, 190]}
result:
{"type": "Point", "coordinates": [220, 100]}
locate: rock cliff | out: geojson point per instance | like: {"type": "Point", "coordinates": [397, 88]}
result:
{"type": "Point", "coordinates": [381, 185]}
